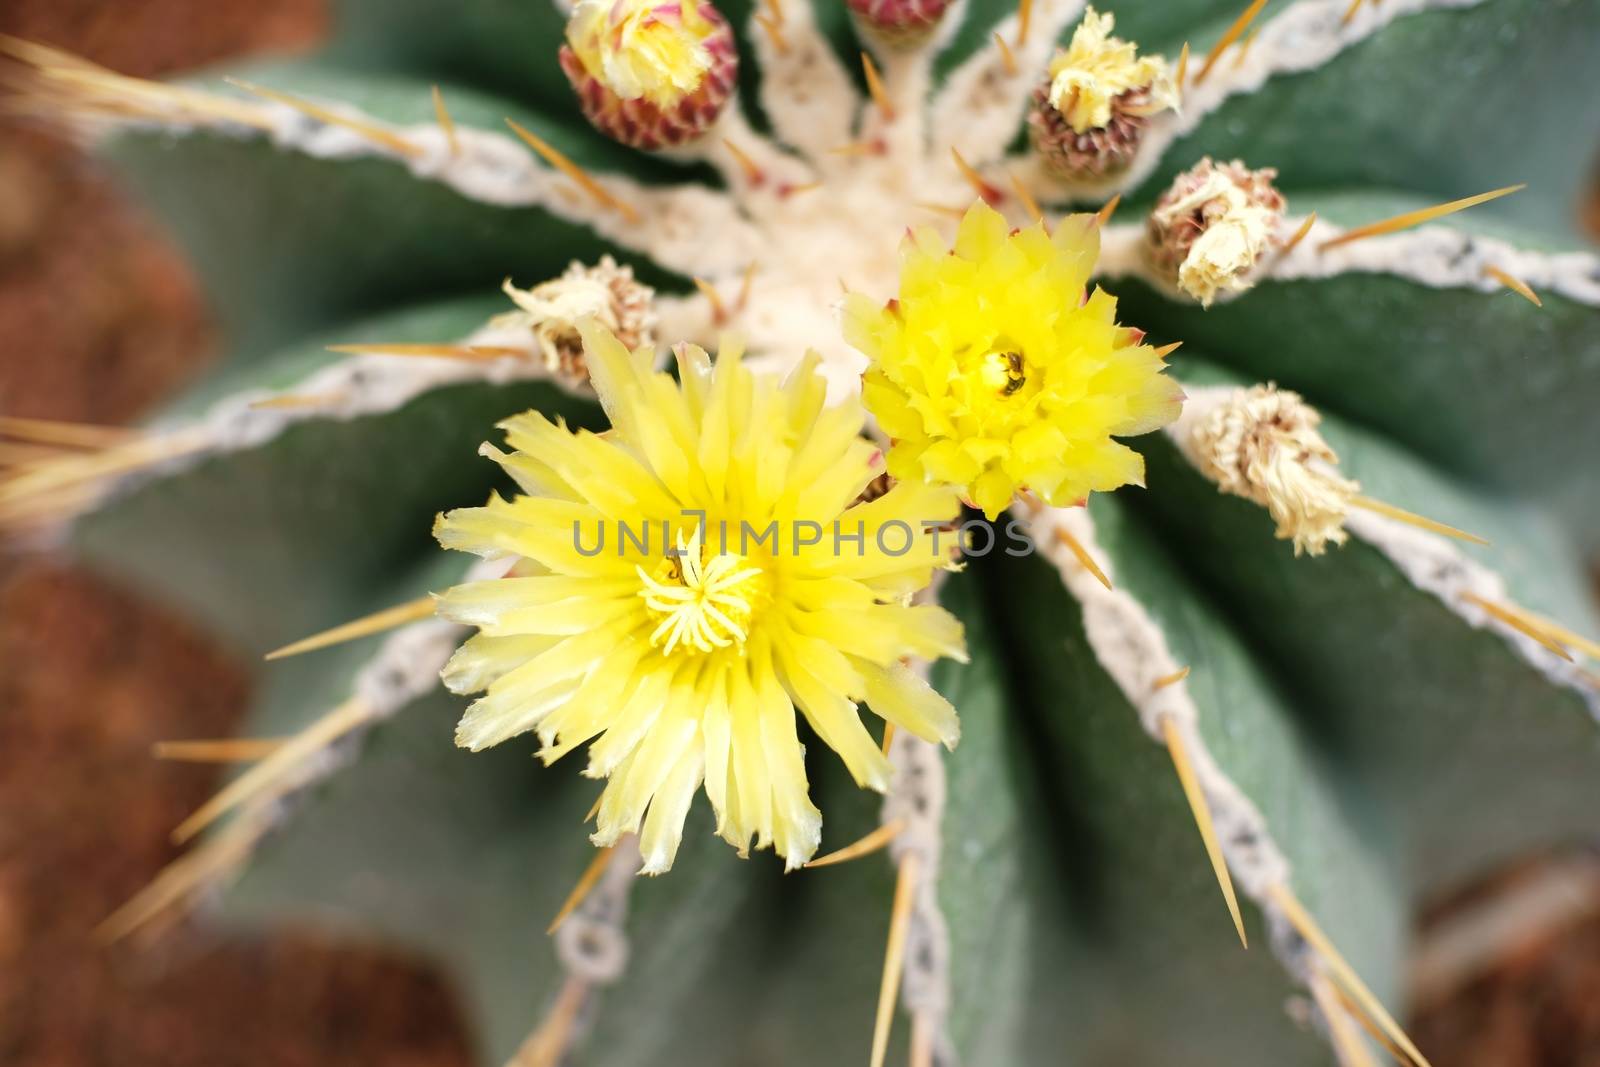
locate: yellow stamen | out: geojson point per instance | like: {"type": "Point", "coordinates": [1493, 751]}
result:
{"type": "Point", "coordinates": [1202, 819]}
{"type": "Point", "coordinates": [586, 883]}
{"type": "Point", "coordinates": [1547, 632]}
{"type": "Point", "coordinates": [880, 95]}
{"type": "Point", "coordinates": [1171, 679]}
{"type": "Point", "coordinates": [1028, 202]}
{"type": "Point", "coordinates": [984, 190]}
{"type": "Point", "coordinates": [752, 173]}
{"type": "Point", "coordinates": [1008, 60]}
{"type": "Point", "coordinates": [446, 123]}
{"type": "Point", "coordinates": [225, 750]}
{"type": "Point", "coordinates": [1515, 284]}
{"type": "Point", "coordinates": [774, 32]}
{"type": "Point", "coordinates": [1076, 548]}
{"type": "Point", "coordinates": [1299, 235]}
{"type": "Point", "coordinates": [719, 310]}
{"type": "Point", "coordinates": [66, 434]}
{"type": "Point", "coordinates": [1103, 216]}
{"type": "Point", "coordinates": [378, 135]}
{"type": "Point", "coordinates": [1342, 971]}
{"type": "Point", "coordinates": [1401, 515]}
{"type": "Point", "coordinates": [865, 846]}
{"type": "Point", "coordinates": [888, 737]}
{"type": "Point", "coordinates": [1166, 350]}
{"type": "Point", "coordinates": [1024, 20]}
{"type": "Point", "coordinates": [1417, 218]}
{"type": "Point", "coordinates": [472, 353]}
{"type": "Point", "coordinates": [1240, 24]}
{"type": "Point", "coordinates": [895, 956]}
{"type": "Point", "coordinates": [273, 774]}
{"type": "Point", "coordinates": [599, 193]}
{"type": "Point", "coordinates": [1347, 1044]}
{"type": "Point", "coordinates": [1350, 12]}
{"type": "Point", "coordinates": [367, 625]}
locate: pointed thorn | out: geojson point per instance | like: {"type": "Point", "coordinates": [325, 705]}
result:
{"type": "Point", "coordinates": [1008, 59]}
{"type": "Point", "coordinates": [989, 193]}
{"type": "Point", "coordinates": [367, 625]}
{"type": "Point", "coordinates": [1350, 12]}
{"type": "Point", "coordinates": [1103, 216]}
{"type": "Point", "coordinates": [1389, 511]}
{"type": "Point", "coordinates": [296, 401]}
{"type": "Point", "coordinates": [1170, 679]}
{"type": "Point", "coordinates": [750, 273]}
{"type": "Point", "coordinates": [1202, 818]}
{"type": "Point", "coordinates": [472, 353]}
{"type": "Point", "coordinates": [888, 736]}
{"type": "Point", "coordinates": [1549, 633]}
{"type": "Point", "coordinates": [1515, 284]}
{"type": "Point", "coordinates": [274, 773]}
{"type": "Point", "coordinates": [1028, 202]}
{"type": "Point", "coordinates": [223, 750]}
{"type": "Point", "coordinates": [1348, 1047]}
{"type": "Point", "coordinates": [880, 95]}
{"type": "Point", "coordinates": [752, 173]}
{"type": "Point", "coordinates": [1244, 49]}
{"type": "Point", "coordinates": [864, 846]}
{"type": "Point", "coordinates": [65, 434]}
{"type": "Point", "coordinates": [774, 31]}
{"type": "Point", "coordinates": [1166, 350]}
{"type": "Point", "coordinates": [1024, 20]}
{"type": "Point", "coordinates": [1341, 971]}
{"type": "Point", "coordinates": [719, 310]}
{"type": "Point", "coordinates": [584, 180]}
{"type": "Point", "coordinates": [373, 132]}
{"type": "Point", "coordinates": [1076, 548]}
{"type": "Point", "coordinates": [895, 956]}
{"type": "Point", "coordinates": [586, 883]}
{"type": "Point", "coordinates": [1240, 24]}
{"type": "Point", "coordinates": [1417, 218]}
{"type": "Point", "coordinates": [446, 123]}
{"type": "Point", "coordinates": [1183, 66]}
{"type": "Point", "coordinates": [1299, 234]}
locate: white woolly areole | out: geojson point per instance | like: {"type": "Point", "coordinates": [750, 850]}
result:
{"type": "Point", "coordinates": [1262, 443]}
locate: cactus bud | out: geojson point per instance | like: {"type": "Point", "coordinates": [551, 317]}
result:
{"type": "Point", "coordinates": [1211, 228]}
{"type": "Point", "coordinates": [899, 23]}
{"type": "Point", "coordinates": [650, 74]}
{"type": "Point", "coordinates": [1090, 113]}
{"type": "Point", "coordinates": [606, 292]}
{"type": "Point", "coordinates": [1262, 444]}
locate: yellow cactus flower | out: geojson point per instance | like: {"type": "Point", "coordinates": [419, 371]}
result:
{"type": "Point", "coordinates": [996, 370]}
{"type": "Point", "coordinates": [1088, 75]}
{"type": "Point", "coordinates": [685, 582]}
{"type": "Point", "coordinates": [643, 49]}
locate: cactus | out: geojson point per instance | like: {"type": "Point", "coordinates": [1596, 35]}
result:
{"type": "Point", "coordinates": [1340, 624]}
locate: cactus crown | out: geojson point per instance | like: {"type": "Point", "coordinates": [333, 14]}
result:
{"type": "Point", "coordinates": [1240, 672]}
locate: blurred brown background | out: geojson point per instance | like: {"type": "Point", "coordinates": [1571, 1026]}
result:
{"type": "Point", "coordinates": [100, 319]}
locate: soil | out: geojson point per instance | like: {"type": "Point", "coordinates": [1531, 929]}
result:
{"type": "Point", "coordinates": [109, 321]}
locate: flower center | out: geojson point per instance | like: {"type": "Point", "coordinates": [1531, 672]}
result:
{"type": "Point", "coordinates": [1002, 371]}
{"type": "Point", "coordinates": [701, 600]}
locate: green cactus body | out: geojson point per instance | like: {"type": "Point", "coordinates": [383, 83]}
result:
{"type": "Point", "coordinates": [1365, 725]}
